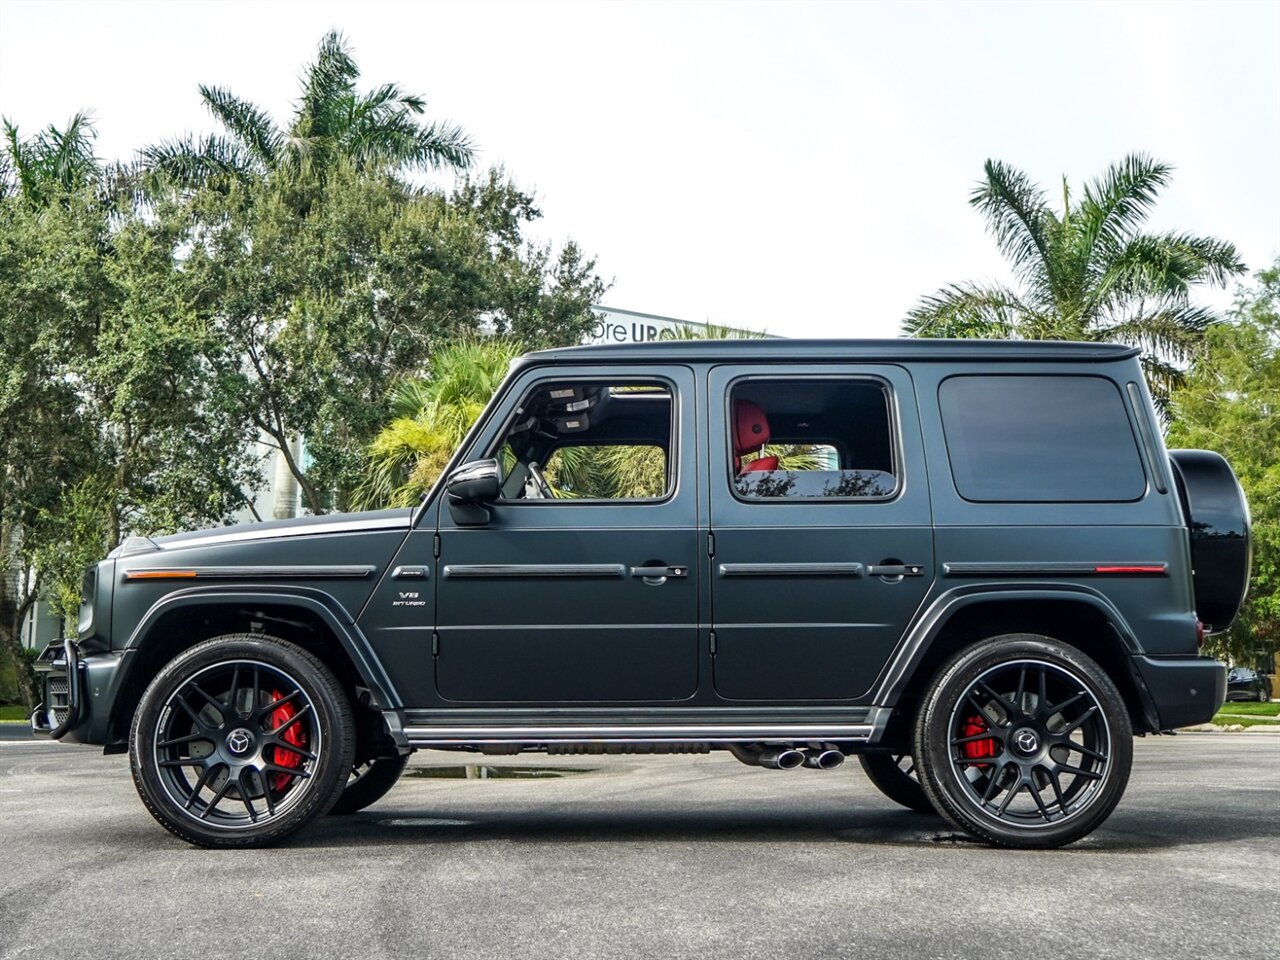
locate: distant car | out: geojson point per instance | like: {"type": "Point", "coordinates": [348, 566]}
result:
{"type": "Point", "coordinates": [1246, 684]}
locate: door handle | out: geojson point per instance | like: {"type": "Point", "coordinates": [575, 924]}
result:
{"type": "Point", "coordinates": [895, 570]}
{"type": "Point", "coordinates": [658, 574]}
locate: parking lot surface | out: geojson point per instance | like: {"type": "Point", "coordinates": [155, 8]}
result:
{"type": "Point", "coordinates": [648, 857]}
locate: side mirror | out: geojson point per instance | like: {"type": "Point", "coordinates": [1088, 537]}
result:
{"type": "Point", "coordinates": [470, 487]}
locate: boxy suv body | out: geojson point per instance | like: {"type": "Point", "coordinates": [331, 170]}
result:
{"type": "Point", "coordinates": [973, 564]}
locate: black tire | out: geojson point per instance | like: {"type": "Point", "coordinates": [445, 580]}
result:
{"type": "Point", "coordinates": [893, 774]}
{"type": "Point", "coordinates": [241, 741]}
{"type": "Point", "coordinates": [1028, 719]}
{"type": "Point", "coordinates": [368, 783]}
{"type": "Point", "coordinates": [1263, 696]}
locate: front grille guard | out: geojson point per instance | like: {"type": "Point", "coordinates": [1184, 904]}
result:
{"type": "Point", "coordinates": [60, 672]}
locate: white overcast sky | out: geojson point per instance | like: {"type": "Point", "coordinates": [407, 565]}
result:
{"type": "Point", "coordinates": [797, 167]}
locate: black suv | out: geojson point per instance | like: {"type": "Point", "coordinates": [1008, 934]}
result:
{"type": "Point", "coordinates": [971, 564]}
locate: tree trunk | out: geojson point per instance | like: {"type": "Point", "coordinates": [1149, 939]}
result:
{"type": "Point", "coordinates": [285, 505]}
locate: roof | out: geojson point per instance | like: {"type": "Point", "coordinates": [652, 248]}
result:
{"type": "Point", "coordinates": [903, 348]}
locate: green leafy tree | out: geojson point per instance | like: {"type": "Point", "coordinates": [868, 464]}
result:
{"type": "Point", "coordinates": [333, 125]}
{"type": "Point", "coordinates": [115, 400]}
{"type": "Point", "coordinates": [331, 310]}
{"type": "Point", "coordinates": [1230, 403]}
{"type": "Point", "coordinates": [1087, 271]}
{"type": "Point", "coordinates": [430, 418]}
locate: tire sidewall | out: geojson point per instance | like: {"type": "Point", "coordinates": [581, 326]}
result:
{"type": "Point", "coordinates": [333, 718]}
{"type": "Point", "coordinates": [933, 734]}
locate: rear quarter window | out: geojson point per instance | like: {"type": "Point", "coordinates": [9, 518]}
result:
{"type": "Point", "coordinates": [1029, 439]}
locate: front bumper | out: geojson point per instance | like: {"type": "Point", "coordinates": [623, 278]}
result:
{"type": "Point", "coordinates": [77, 690]}
{"type": "Point", "coordinates": [1183, 690]}
{"type": "Point", "coordinates": [59, 674]}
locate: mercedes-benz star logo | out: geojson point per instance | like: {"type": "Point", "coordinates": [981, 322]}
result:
{"type": "Point", "coordinates": [239, 741]}
{"type": "Point", "coordinates": [1026, 741]}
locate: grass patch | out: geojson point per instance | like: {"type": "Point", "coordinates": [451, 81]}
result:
{"type": "Point", "coordinates": [1252, 709]}
{"type": "Point", "coordinates": [13, 713]}
{"type": "Point", "coordinates": [1225, 719]}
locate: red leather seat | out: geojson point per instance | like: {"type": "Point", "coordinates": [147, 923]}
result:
{"type": "Point", "coordinates": [750, 434]}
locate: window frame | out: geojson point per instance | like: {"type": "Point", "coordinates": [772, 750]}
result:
{"type": "Point", "coordinates": [893, 421]}
{"type": "Point", "coordinates": [494, 449]}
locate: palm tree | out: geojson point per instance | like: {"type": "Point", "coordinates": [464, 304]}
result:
{"type": "Point", "coordinates": [52, 162]}
{"type": "Point", "coordinates": [429, 419]}
{"type": "Point", "coordinates": [332, 123]}
{"type": "Point", "coordinates": [1088, 272]}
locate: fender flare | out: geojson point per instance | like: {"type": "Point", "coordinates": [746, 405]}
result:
{"type": "Point", "coordinates": [930, 624]}
{"type": "Point", "coordinates": [317, 602]}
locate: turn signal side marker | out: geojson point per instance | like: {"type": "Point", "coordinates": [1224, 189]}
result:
{"type": "Point", "coordinates": [1132, 568]}
{"type": "Point", "coordinates": [160, 575]}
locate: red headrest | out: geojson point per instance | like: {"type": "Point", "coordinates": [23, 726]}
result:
{"type": "Point", "coordinates": [750, 427]}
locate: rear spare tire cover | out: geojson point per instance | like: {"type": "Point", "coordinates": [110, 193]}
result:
{"type": "Point", "coordinates": [1217, 518]}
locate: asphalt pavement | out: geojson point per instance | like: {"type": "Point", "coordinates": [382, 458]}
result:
{"type": "Point", "coordinates": [660, 857]}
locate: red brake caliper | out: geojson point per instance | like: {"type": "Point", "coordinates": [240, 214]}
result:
{"type": "Point", "coordinates": [295, 735]}
{"type": "Point", "coordinates": [977, 749]}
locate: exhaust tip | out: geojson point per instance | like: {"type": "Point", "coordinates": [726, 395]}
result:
{"type": "Point", "coordinates": [823, 759]}
{"type": "Point", "coordinates": [782, 758]}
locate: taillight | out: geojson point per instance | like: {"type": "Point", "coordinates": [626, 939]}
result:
{"type": "Point", "coordinates": [1199, 634]}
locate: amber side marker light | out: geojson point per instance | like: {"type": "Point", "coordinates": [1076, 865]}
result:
{"type": "Point", "coordinates": [160, 575]}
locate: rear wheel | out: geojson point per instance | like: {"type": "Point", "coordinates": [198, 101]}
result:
{"type": "Point", "coordinates": [368, 783]}
{"type": "Point", "coordinates": [894, 775]}
{"type": "Point", "coordinates": [1023, 742]}
{"type": "Point", "coordinates": [240, 741]}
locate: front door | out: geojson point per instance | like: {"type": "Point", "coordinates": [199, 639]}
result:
{"type": "Point", "coordinates": [581, 586]}
{"type": "Point", "coordinates": [821, 524]}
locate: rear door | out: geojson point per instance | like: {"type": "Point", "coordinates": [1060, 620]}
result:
{"type": "Point", "coordinates": [822, 558]}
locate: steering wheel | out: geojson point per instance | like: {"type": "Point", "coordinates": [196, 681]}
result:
{"type": "Point", "coordinates": [540, 484]}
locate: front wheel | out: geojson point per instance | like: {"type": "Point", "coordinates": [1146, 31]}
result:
{"type": "Point", "coordinates": [240, 741]}
{"type": "Point", "coordinates": [1023, 741]}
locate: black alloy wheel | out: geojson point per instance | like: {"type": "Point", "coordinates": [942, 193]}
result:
{"type": "Point", "coordinates": [1023, 741]}
{"type": "Point", "coordinates": [895, 775]}
{"type": "Point", "coordinates": [368, 783]}
{"type": "Point", "coordinates": [240, 741]}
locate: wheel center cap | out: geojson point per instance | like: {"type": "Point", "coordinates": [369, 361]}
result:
{"type": "Point", "coordinates": [1026, 741]}
{"type": "Point", "coordinates": [239, 741]}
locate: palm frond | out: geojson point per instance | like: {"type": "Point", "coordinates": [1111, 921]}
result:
{"type": "Point", "coordinates": [711, 331]}
{"type": "Point", "coordinates": [1016, 214]}
{"type": "Point", "coordinates": [23, 163]}
{"type": "Point", "coordinates": [1174, 332]}
{"type": "Point", "coordinates": [1165, 266]}
{"type": "Point", "coordinates": [325, 82]}
{"type": "Point", "coordinates": [966, 310]}
{"type": "Point", "coordinates": [1117, 202]}
{"type": "Point", "coordinates": [247, 122]}
{"type": "Point", "coordinates": [188, 163]}
{"type": "Point", "coordinates": [68, 154]}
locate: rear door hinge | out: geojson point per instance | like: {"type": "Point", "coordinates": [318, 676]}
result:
{"type": "Point", "coordinates": [711, 544]}
{"type": "Point", "coordinates": [713, 643]}
{"type": "Point", "coordinates": [435, 644]}
{"type": "Point", "coordinates": [435, 546]}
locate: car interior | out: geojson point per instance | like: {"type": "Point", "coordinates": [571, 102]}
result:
{"type": "Point", "coordinates": [590, 441]}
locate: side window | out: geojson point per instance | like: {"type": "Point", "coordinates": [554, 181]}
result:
{"type": "Point", "coordinates": [590, 441]}
{"type": "Point", "coordinates": [811, 439]}
{"type": "Point", "coordinates": [1027, 439]}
